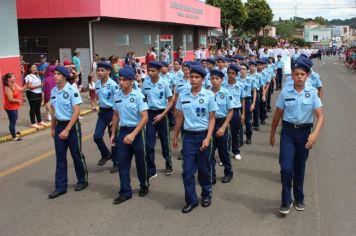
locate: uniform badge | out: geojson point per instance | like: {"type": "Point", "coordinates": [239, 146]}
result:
{"type": "Point", "coordinates": [248, 81]}
{"type": "Point", "coordinates": [108, 86]}
{"type": "Point", "coordinates": [201, 101]}
{"type": "Point", "coordinates": [65, 95]}
{"type": "Point", "coordinates": [237, 88]}
{"type": "Point", "coordinates": [222, 96]}
{"type": "Point", "coordinates": [159, 86]}
{"type": "Point", "coordinates": [132, 99]}
{"type": "Point", "coordinates": [307, 95]}
{"type": "Point", "coordinates": [245, 88]}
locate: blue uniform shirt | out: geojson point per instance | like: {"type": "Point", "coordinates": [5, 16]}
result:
{"type": "Point", "coordinates": [106, 92]}
{"type": "Point", "coordinates": [196, 109]}
{"type": "Point", "coordinates": [279, 64]}
{"type": "Point", "coordinates": [248, 84]}
{"type": "Point", "coordinates": [157, 93]}
{"type": "Point", "coordinates": [169, 79]}
{"type": "Point", "coordinates": [177, 75]}
{"type": "Point", "coordinates": [129, 107]}
{"type": "Point", "coordinates": [237, 92]}
{"type": "Point", "coordinates": [183, 85]}
{"type": "Point", "coordinates": [257, 79]}
{"type": "Point", "coordinates": [63, 100]}
{"type": "Point", "coordinates": [314, 80]}
{"type": "Point", "coordinates": [207, 83]}
{"type": "Point", "coordinates": [266, 77]}
{"type": "Point", "coordinates": [223, 100]}
{"type": "Point", "coordinates": [298, 107]}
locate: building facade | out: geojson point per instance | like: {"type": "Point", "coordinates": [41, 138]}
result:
{"type": "Point", "coordinates": [318, 35]}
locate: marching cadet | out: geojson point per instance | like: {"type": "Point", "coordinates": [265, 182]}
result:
{"type": "Point", "coordinates": [105, 89]}
{"type": "Point", "coordinates": [160, 101]}
{"type": "Point", "coordinates": [250, 101]}
{"type": "Point", "coordinates": [169, 78]}
{"type": "Point", "coordinates": [314, 78]}
{"type": "Point", "coordinates": [279, 75]}
{"type": "Point", "coordinates": [130, 113]}
{"type": "Point", "coordinates": [236, 89]}
{"type": "Point", "coordinates": [66, 131]}
{"type": "Point", "coordinates": [266, 78]}
{"type": "Point", "coordinates": [257, 78]}
{"type": "Point", "coordinates": [271, 71]}
{"type": "Point", "coordinates": [223, 117]}
{"type": "Point", "coordinates": [196, 109]}
{"type": "Point", "coordinates": [296, 105]}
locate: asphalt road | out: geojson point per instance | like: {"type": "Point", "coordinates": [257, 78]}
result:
{"type": "Point", "coordinates": [246, 206]}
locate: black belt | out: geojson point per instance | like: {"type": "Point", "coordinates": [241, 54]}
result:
{"type": "Point", "coordinates": [237, 109]}
{"type": "Point", "coordinates": [297, 126]}
{"type": "Point", "coordinates": [220, 120]}
{"type": "Point", "coordinates": [63, 122]}
{"type": "Point", "coordinates": [156, 111]}
{"type": "Point", "coordinates": [195, 132]}
{"type": "Point", "coordinates": [105, 108]}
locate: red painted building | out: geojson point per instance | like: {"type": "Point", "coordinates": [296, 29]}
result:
{"type": "Point", "coordinates": [111, 27]}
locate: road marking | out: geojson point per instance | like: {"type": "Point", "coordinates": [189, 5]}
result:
{"type": "Point", "coordinates": [34, 160]}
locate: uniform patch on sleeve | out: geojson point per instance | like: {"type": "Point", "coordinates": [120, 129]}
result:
{"type": "Point", "coordinates": [53, 97]}
{"type": "Point", "coordinates": [144, 99]}
{"type": "Point", "coordinates": [230, 97]}
{"type": "Point", "coordinates": [76, 95]}
{"type": "Point", "coordinates": [116, 87]}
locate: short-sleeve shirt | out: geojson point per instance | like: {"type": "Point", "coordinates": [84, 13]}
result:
{"type": "Point", "coordinates": [248, 84]}
{"type": "Point", "coordinates": [63, 101]}
{"type": "Point", "coordinates": [257, 79]}
{"type": "Point", "coordinates": [76, 62]}
{"type": "Point", "coordinates": [156, 93]}
{"type": "Point", "coordinates": [35, 80]}
{"type": "Point", "coordinates": [183, 85]}
{"type": "Point", "coordinates": [196, 109]}
{"type": "Point", "coordinates": [223, 100]}
{"type": "Point", "coordinates": [237, 92]}
{"type": "Point", "coordinates": [42, 67]}
{"type": "Point", "coordinates": [314, 80]}
{"type": "Point", "coordinates": [129, 107]}
{"type": "Point", "coordinates": [169, 79]}
{"type": "Point", "coordinates": [106, 92]}
{"type": "Point", "coordinates": [298, 107]}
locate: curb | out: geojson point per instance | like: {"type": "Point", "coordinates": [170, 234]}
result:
{"type": "Point", "coordinates": [29, 131]}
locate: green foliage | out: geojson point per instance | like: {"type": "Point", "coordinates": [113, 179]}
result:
{"type": "Point", "coordinates": [351, 22]}
{"type": "Point", "coordinates": [287, 28]}
{"type": "Point", "coordinates": [259, 15]}
{"type": "Point", "coordinates": [267, 41]}
{"type": "Point", "coordinates": [298, 41]}
{"type": "Point", "coordinates": [320, 20]}
{"type": "Point", "coordinates": [233, 13]}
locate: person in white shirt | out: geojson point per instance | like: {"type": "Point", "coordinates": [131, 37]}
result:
{"type": "Point", "coordinates": [197, 54]}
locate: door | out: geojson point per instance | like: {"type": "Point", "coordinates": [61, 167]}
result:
{"type": "Point", "coordinates": [166, 40]}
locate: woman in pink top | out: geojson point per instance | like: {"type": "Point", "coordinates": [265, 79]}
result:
{"type": "Point", "coordinates": [48, 85]}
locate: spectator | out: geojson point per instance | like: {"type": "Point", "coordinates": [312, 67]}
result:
{"type": "Point", "coordinates": [114, 61]}
{"type": "Point", "coordinates": [92, 93]}
{"type": "Point", "coordinates": [34, 96]}
{"type": "Point", "coordinates": [42, 67]}
{"type": "Point", "coordinates": [197, 54]}
{"type": "Point", "coordinates": [78, 67]}
{"type": "Point", "coordinates": [163, 55]}
{"type": "Point", "coordinates": [96, 59]}
{"type": "Point", "coordinates": [151, 55]}
{"type": "Point", "coordinates": [12, 102]}
{"type": "Point", "coordinates": [48, 85]}
{"type": "Point", "coordinates": [180, 53]}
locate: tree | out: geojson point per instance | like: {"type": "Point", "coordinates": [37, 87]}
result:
{"type": "Point", "coordinates": [267, 41]}
{"type": "Point", "coordinates": [298, 41]}
{"type": "Point", "coordinates": [259, 15]}
{"type": "Point", "coordinates": [320, 20]}
{"type": "Point", "coordinates": [285, 29]}
{"type": "Point", "coordinates": [233, 13]}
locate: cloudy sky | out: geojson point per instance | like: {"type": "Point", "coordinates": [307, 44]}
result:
{"type": "Point", "coordinates": [329, 9]}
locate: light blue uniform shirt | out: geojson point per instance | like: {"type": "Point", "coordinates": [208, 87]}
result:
{"type": "Point", "coordinates": [196, 109]}
{"type": "Point", "coordinates": [106, 92]}
{"type": "Point", "coordinates": [298, 107]}
{"type": "Point", "coordinates": [169, 79]}
{"type": "Point", "coordinates": [257, 79]}
{"type": "Point", "coordinates": [207, 83]}
{"type": "Point", "coordinates": [177, 75]}
{"type": "Point", "coordinates": [183, 85]}
{"type": "Point", "coordinates": [223, 99]}
{"type": "Point", "coordinates": [279, 64]}
{"type": "Point", "coordinates": [314, 80]}
{"type": "Point", "coordinates": [63, 101]}
{"type": "Point", "coordinates": [129, 107]}
{"type": "Point", "coordinates": [156, 94]}
{"type": "Point", "coordinates": [270, 69]}
{"type": "Point", "coordinates": [248, 84]}
{"type": "Point", "coordinates": [237, 92]}
{"type": "Point", "coordinates": [266, 76]}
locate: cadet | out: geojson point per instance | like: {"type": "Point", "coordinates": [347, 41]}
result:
{"type": "Point", "coordinates": [160, 101]}
{"type": "Point", "coordinates": [66, 131]}
{"type": "Point", "coordinates": [236, 89]}
{"type": "Point", "coordinates": [266, 78]}
{"type": "Point", "coordinates": [223, 116]}
{"type": "Point", "coordinates": [257, 78]}
{"type": "Point", "coordinates": [196, 108]}
{"type": "Point", "coordinates": [130, 113]}
{"type": "Point", "coordinates": [296, 105]}
{"type": "Point", "coordinates": [271, 71]}
{"type": "Point", "coordinates": [250, 101]}
{"type": "Point", "coordinates": [279, 76]}
{"type": "Point", "coordinates": [169, 78]}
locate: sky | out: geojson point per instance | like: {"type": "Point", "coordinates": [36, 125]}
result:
{"type": "Point", "coordinates": [329, 9]}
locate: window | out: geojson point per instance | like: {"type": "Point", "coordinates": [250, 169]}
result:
{"type": "Point", "coordinates": [147, 39]}
{"type": "Point", "coordinates": [203, 40]}
{"type": "Point", "coordinates": [184, 45]}
{"type": "Point", "coordinates": [315, 37]}
{"type": "Point", "coordinates": [345, 30]}
{"type": "Point", "coordinates": [34, 45]}
{"type": "Point", "coordinates": [190, 38]}
{"type": "Point", "coordinates": [123, 39]}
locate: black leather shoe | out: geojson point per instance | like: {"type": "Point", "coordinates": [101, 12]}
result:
{"type": "Point", "coordinates": [257, 128]}
{"type": "Point", "coordinates": [143, 192]}
{"type": "Point", "coordinates": [55, 194]}
{"type": "Point", "coordinates": [226, 179]}
{"type": "Point", "coordinates": [263, 122]}
{"type": "Point", "coordinates": [120, 199]}
{"type": "Point", "coordinates": [206, 202]}
{"type": "Point", "coordinates": [248, 141]}
{"type": "Point", "coordinates": [213, 182]}
{"type": "Point", "coordinates": [188, 208]}
{"type": "Point", "coordinates": [103, 161]}
{"type": "Point", "coordinates": [80, 187]}
{"type": "Point", "coordinates": [114, 169]}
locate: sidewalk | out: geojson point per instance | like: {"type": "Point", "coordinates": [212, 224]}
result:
{"type": "Point", "coordinates": [23, 122]}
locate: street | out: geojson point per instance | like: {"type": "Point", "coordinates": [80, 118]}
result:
{"type": "Point", "coordinates": [246, 206]}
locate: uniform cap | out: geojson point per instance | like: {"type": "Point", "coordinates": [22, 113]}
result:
{"type": "Point", "coordinates": [216, 72]}
{"type": "Point", "coordinates": [155, 64]}
{"type": "Point", "coordinates": [300, 64]}
{"type": "Point", "coordinates": [127, 73]}
{"type": "Point", "coordinates": [179, 61]}
{"type": "Point", "coordinates": [187, 64]}
{"type": "Point", "coordinates": [252, 63]}
{"type": "Point", "coordinates": [104, 65]}
{"type": "Point", "coordinates": [199, 70]}
{"type": "Point", "coordinates": [64, 71]}
{"type": "Point", "coordinates": [234, 68]}
{"type": "Point", "coordinates": [244, 64]}
{"type": "Point", "coordinates": [164, 64]}
{"type": "Point", "coordinates": [211, 61]}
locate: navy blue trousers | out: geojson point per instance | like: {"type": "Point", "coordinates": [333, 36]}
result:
{"type": "Point", "coordinates": [163, 132]}
{"type": "Point", "coordinates": [248, 101]}
{"type": "Point", "coordinates": [74, 143]}
{"type": "Point", "coordinates": [13, 115]}
{"type": "Point", "coordinates": [279, 77]}
{"type": "Point", "coordinates": [104, 121]}
{"type": "Point", "coordinates": [235, 125]}
{"type": "Point", "coordinates": [124, 154]}
{"type": "Point", "coordinates": [292, 159]}
{"type": "Point", "coordinates": [256, 112]}
{"type": "Point", "coordinates": [194, 161]}
{"type": "Point", "coordinates": [263, 108]}
{"type": "Point", "coordinates": [220, 143]}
